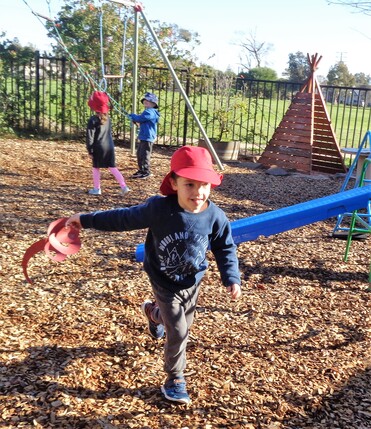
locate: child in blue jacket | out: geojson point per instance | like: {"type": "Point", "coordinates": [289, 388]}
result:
{"type": "Point", "coordinates": [182, 226]}
{"type": "Point", "coordinates": [147, 122]}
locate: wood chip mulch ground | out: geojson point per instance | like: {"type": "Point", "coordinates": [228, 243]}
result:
{"type": "Point", "coordinates": [293, 352]}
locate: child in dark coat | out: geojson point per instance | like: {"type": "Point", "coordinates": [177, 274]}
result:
{"type": "Point", "coordinates": [99, 142]}
{"type": "Point", "coordinates": [182, 226]}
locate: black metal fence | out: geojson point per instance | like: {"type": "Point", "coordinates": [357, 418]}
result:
{"type": "Point", "coordinates": [47, 96]}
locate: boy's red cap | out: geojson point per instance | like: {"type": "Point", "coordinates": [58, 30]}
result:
{"type": "Point", "coordinates": [99, 101]}
{"type": "Point", "coordinates": [194, 163]}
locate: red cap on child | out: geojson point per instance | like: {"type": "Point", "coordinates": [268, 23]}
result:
{"type": "Point", "coordinates": [191, 162]}
{"type": "Point", "coordinates": [98, 102]}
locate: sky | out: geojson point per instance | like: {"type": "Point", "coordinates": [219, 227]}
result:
{"type": "Point", "coordinates": [310, 26]}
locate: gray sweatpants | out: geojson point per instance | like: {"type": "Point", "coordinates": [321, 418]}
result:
{"type": "Point", "coordinates": [144, 152]}
{"type": "Point", "coordinates": [176, 313]}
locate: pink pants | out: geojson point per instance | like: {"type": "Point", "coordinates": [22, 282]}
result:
{"type": "Point", "coordinates": [114, 170]}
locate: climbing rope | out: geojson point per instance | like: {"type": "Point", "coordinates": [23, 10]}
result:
{"type": "Point", "coordinates": [93, 83]}
{"type": "Point", "coordinates": [125, 22]}
{"type": "Point", "coordinates": [103, 82]}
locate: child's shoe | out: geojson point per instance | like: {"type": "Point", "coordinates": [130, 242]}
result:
{"type": "Point", "coordinates": [95, 191]}
{"type": "Point", "coordinates": [137, 174]}
{"type": "Point", "coordinates": [175, 390]}
{"type": "Point", "coordinates": [125, 190]}
{"type": "Point", "coordinates": [144, 175]}
{"type": "Point", "coordinates": [156, 330]}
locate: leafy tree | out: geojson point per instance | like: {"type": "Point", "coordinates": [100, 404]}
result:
{"type": "Point", "coordinates": [361, 79]}
{"type": "Point", "coordinates": [205, 69]}
{"type": "Point", "coordinates": [78, 28]}
{"type": "Point", "coordinates": [12, 49]}
{"type": "Point", "coordinates": [77, 31]}
{"type": "Point", "coordinates": [178, 43]}
{"type": "Point", "coordinates": [227, 106]}
{"type": "Point", "coordinates": [298, 69]}
{"type": "Point", "coordinates": [339, 75]}
{"type": "Point", "coordinates": [260, 73]}
{"type": "Point", "coordinates": [257, 73]}
{"type": "Point", "coordinates": [15, 67]}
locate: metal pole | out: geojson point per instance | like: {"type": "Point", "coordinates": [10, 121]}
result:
{"type": "Point", "coordinates": [37, 89]}
{"type": "Point", "coordinates": [179, 85]}
{"type": "Point", "coordinates": [135, 83]}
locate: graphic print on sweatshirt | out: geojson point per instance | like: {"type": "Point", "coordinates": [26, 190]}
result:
{"type": "Point", "coordinates": [182, 253]}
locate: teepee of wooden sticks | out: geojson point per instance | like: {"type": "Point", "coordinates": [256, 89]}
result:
{"type": "Point", "coordinates": [305, 140]}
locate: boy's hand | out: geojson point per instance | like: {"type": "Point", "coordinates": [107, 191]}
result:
{"type": "Point", "coordinates": [74, 221]}
{"type": "Point", "coordinates": [234, 291]}
{"type": "Point", "coordinates": [130, 116]}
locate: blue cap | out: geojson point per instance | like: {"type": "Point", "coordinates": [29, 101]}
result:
{"type": "Point", "coordinates": [150, 97]}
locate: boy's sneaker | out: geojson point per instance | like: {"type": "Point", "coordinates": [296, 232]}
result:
{"type": "Point", "coordinates": [125, 190]}
{"type": "Point", "coordinates": [175, 390]}
{"type": "Point", "coordinates": [144, 176]}
{"type": "Point", "coordinates": [137, 174]}
{"type": "Point", "coordinates": [95, 191]}
{"type": "Point", "coordinates": [156, 330]}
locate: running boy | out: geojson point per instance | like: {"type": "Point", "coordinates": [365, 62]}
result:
{"type": "Point", "coordinates": [181, 227]}
{"type": "Point", "coordinates": [147, 122]}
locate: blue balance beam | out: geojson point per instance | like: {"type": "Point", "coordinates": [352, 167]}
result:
{"type": "Point", "coordinates": [281, 220]}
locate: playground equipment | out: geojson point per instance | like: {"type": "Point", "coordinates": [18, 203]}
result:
{"type": "Point", "coordinates": [363, 177]}
{"type": "Point", "coordinates": [281, 220]}
{"type": "Point", "coordinates": [305, 140]}
{"type": "Point", "coordinates": [138, 9]}
{"type": "Point", "coordinates": [62, 241]}
{"type": "Point", "coordinates": [360, 222]}
{"type": "Point", "coordinates": [106, 76]}
{"type": "Point", "coordinates": [101, 86]}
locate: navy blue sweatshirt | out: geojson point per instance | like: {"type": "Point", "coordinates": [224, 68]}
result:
{"type": "Point", "coordinates": [177, 241]}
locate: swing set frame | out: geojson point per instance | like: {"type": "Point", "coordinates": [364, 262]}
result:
{"type": "Point", "coordinates": [138, 9]}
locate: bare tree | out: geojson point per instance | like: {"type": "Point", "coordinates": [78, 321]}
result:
{"type": "Point", "coordinates": [361, 6]}
{"type": "Point", "coordinates": [253, 51]}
